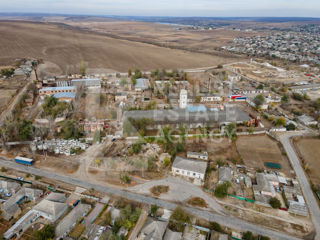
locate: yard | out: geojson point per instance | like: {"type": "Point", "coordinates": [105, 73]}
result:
{"type": "Point", "coordinates": [256, 150]}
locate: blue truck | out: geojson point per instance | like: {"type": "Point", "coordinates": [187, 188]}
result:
{"type": "Point", "coordinates": [23, 160]}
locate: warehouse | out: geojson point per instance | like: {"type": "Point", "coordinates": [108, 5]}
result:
{"type": "Point", "coordinates": [192, 117]}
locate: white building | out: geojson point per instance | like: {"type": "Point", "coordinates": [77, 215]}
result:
{"type": "Point", "coordinates": [183, 98]}
{"type": "Point", "coordinates": [197, 155]}
{"type": "Point", "coordinates": [189, 168]}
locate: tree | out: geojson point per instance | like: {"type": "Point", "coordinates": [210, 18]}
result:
{"type": "Point", "coordinates": [124, 178]}
{"type": "Point", "coordinates": [248, 236]}
{"type": "Point", "coordinates": [123, 82]}
{"type": "Point", "coordinates": [129, 73]}
{"type": "Point", "coordinates": [281, 121]}
{"type": "Point", "coordinates": [47, 232]}
{"type": "Point", "coordinates": [133, 80]}
{"type": "Point", "coordinates": [259, 100]}
{"type": "Point", "coordinates": [291, 127]}
{"type": "Point", "coordinates": [25, 130]}
{"type": "Point", "coordinates": [7, 72]}
{"type": "Point", "coordinates": [230, 131]}
{"type": "Point", "coordinates": [222, 189]}
{"type": "Point", "coordinates": [260, 86]}
{"type": "Point", "coordinates": [285, 99]}
{"type": "Point", "coordinates": [275, 203]}
{"type": "Point", "coordinates": [83, 68]}
{"type": "Point", "coordinates": [178, 219]}
{"type": "Point", "coordinates": [153, 209]}
{"type": "Point", "coordinates": [215, 227]}
{"type": "Point", "coordinates": [70, 130]}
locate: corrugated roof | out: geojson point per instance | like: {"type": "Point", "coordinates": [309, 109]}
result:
{"type": "Point", "coordinates": [57, 88]}
{"type": "Point", "coordinates": [65, 95]}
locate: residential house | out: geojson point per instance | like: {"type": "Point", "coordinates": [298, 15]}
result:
{"type": "Point", "coordinates": [225, 174]}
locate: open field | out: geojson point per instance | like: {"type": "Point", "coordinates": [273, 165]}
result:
{"type": "Point", "coordinates": [66, 48]}
{"type": "Point", "coordinates": [309, 151]}
{"type": "Point", "coordinates": [256, 150]}
{"type": "Point", "coordinates": [180, 36]}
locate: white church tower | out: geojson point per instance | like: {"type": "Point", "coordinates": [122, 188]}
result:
{"type": "Point", "coordinates": [183, 98]}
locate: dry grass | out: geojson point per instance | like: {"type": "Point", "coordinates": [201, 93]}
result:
{"type": "Point", "coordinates": [197, 202]}
{"type": "Point", "coordinates": [158, 190]}
{"type": "Point", "coordinates": [309, 151]}
{"type": "Point", "coordinates": [77, 231]}
{"type": "Point", "coordinates": [66, 48]}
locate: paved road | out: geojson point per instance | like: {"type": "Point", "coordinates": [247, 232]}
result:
{"type": "Point", "coordinates": [227, 221]}
{"type": "Point", "coordinates": [306, 189]}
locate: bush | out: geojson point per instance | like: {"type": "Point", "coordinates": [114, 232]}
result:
{"type": "Point", "coordinates": [215, 227]}
{"type": "Point", "coordinates": [198, 202]}
{"type": "Point", "coordinates": [291, 127]}
{"type": "Point", "coordinates": [159, 189]}
{"type": "Point", "coordinates": [178, 220]}
{"type": "Point", "coordinates": [248, 236]}
{"type": "Point", "coordinates": [275, 203]}
{"type": "Point", "coordinates": [153, 209]}
{"type": "Point", "coordinates": [222, 190]}
{"type": "Point", "coordinates": [259, 100]}
{"type": "Point", "coordinates": [124, 178]}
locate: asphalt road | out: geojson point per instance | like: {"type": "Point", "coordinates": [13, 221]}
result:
{"type": "Point", "coordinates": [227, 221]}
{"type": "Point", "coordinates": [305, 186]}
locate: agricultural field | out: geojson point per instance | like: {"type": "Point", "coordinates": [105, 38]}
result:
{"type": "Point", "coordinates": [309, 151]}
{"type": "Point", "coordinates": [182, 37]}
{"type": "Point", "coordinates": [66, 47]}
{"type": "Point", "coordinates": [256, 150]}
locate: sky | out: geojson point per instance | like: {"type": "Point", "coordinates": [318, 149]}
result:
{"type": "Point", "coordinates": [204, 8]}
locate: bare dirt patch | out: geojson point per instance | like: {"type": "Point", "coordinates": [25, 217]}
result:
{"type": "Point", "coordinates": [60, 164]}
{"type": "Point", "coordinates": [256, 150]}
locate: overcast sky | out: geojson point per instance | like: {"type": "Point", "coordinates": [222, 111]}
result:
{"type": "Point", "coordinates": [210, 8]}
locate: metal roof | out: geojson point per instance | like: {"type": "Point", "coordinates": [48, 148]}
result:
{"type": "Point", "coordinates": [57, 88]}
{"type": "Point", "coordinates": [172, 116]}
{"type": "Point", "coordinates": [65, 95]}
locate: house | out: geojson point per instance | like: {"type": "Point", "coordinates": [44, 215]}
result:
{"type": "Point", "coordinates": [210, 98]}
{"type": "Point", "coordinates": [93, 125]}
{"type": "Point", "coordinates": [170, 235]}
{"type": "Point", "coordinates": [87, 82]}
{"type": "Point", "coordinates": [67, 223]}
{"type": "Point", "coordinates": [56, 197]}
{"type": "Point", "coordinates": [142, 84]}
{"type": "Point", "coordinates": [10, 187]}
{"type": "Point", "coordinates": [225, 174]}
{"type": "Point", "coordinates": [189, 168]}
{"type": "Point", "coordinates": [120, 97]}
{"type": "Point", "coordinates": [264, 189]}
{"type": "Point", "coordinates": [11, 208]}
{"type": "Point", "coordinates": [295, 199]}
{"type": "Point", "coordinates": [50, 210]}
{"type": "Point", "coordinates": [49, 91]}
{"type": "Point", "coordinates": [196, 155]}
{"type": "Point", "coordinates": [152, 230]}
{"type": "Point", "coordinates": [307, 120]}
